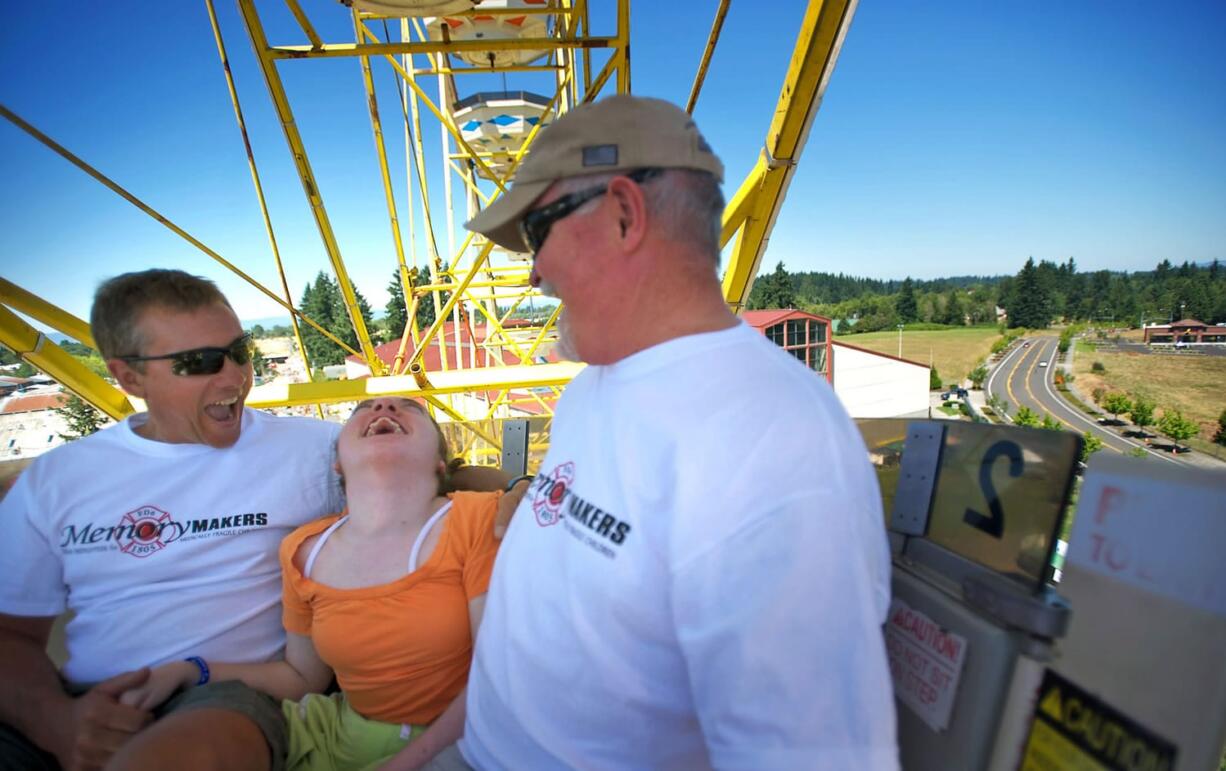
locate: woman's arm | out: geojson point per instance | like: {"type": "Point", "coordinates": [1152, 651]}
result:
{"type": "Point", "coordinates": [449, 727]}
{"type": "Point", "coordinates": [300, 673]}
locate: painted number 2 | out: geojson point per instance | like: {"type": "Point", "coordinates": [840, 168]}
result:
{"type": "Point", "coordinates": [994, 525]}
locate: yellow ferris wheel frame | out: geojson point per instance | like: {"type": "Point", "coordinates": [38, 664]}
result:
{"type": "Point", "coordinates": [458, 288]}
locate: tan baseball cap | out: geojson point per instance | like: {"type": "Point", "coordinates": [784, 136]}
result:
{"type": "Point", "coordinates": [620, 133]}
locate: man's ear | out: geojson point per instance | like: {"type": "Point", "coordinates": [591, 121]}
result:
{"type": "Point", "coordinates": [128, 378]}
{"type": "Point", "coordinates": [631, 212]}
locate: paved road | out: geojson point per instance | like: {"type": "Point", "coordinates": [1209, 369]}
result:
{"type": "Point", "coordinates": [1020, 380]}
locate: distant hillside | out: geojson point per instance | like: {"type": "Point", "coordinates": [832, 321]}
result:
{"type": "Point", "coordinates": [1036, 296]}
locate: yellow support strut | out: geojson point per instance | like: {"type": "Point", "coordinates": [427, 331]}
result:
{"type": "Point", "coordinates": [33, 346]}
{"type": "Point", "coordinates": [759, 199]}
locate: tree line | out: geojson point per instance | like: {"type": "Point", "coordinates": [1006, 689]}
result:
{"type": "Point", "coordinates": [323, 303]}
{"type": "Point", "coordinates": [1035, 297]}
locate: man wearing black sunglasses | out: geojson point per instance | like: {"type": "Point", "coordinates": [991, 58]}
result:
{"type": "Point", "coordinates": [161, 534]}
{"type": "Point", "coordinates": [698, 574]}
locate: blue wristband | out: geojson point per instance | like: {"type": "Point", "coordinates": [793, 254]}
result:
{"type": "Point", "coordinates": [203, 667]}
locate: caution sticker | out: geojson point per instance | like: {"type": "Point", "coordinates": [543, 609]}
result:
{"type": "Point", "coordinates": [1074, 731]}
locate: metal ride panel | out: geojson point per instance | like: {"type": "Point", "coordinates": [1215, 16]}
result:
{"type": "Point", "coordinates": [973, 620]}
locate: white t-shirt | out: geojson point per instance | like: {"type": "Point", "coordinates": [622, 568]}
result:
{"type": "Point", "coordinates": [696, 578]}
{"type": "Point", "coordinates": [164, 550]}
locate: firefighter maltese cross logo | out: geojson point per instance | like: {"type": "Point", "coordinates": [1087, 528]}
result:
{"type": "Point", "coordinates": [550, 494]}
{"type": "Point", "coordinates": [141, 531]}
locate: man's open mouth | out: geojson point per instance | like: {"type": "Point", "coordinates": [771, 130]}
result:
{"type": "Point", "coordinates": [223, 409]}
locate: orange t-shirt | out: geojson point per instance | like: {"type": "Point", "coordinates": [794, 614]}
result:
{"type": "Point", "coordinates": [401, 650]}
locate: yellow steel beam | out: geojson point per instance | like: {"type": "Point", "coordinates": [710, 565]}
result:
{"type": "Point", "coordinates": [443, 118]}
{"type": "Point", "coordinates": [334, 50]}
{"type": "Point", "coordinates": [281, 103]}
{"type": "Point", "coordinates": [40, 310]}
{"type": "Point", "coordinates": [456, 381]}
{"type": "Point", "coordinates": [623, 46]}
{"type": "Point", "coordinates": [712, 39]}
{"type": "Point", "coordinates": [585, 24]}
{"type": "Point", "coordinates": [486, 69]}
{"type": "Point", "coordinates": [740, 205]}
{"type": "Point", "coordinates": [483, 11]}
{"type": "Point", "coordinates": [255, 172]}
{"type": "Point", "coordinates": [34, 347]}
{"type": "Point", "coordinates": [69, 156]}
{"type": "Point", "coordinates": [385, 174]}
{"type": "Point", "coordinates": [305, 23]}
{"type": "Point", "coordinates": [817, 49]}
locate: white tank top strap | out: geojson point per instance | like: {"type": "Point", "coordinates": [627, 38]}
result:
{"type": "Point", "coordinates": [310, 563]}
{"type": "Point", "coordinates": [421, 537]}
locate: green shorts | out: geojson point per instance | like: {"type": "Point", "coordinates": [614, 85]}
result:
{"type": "Point", "coordinates": [326, 733]}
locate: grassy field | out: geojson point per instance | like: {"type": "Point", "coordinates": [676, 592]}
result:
{"type": "Point", "coordinates": [954, 352]}
{"type": "Point", "coordinates": [1188, 383]}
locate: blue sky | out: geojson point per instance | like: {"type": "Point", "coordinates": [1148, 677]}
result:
{"type": "Point", "coordinates": [955, 138]}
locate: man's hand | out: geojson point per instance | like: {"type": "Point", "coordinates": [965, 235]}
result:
{"type": "Point", "coordinates": [507, 505]}
{"type": "Point", "coordinates": [161, 683]}
{"type": "Point", "coordinates": [98, 724]}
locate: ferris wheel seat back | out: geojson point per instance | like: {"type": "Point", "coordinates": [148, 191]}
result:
{"type": "Point", "coordinates": [494, 27]}
{"type": "Point", "coordinates": [411, 8]}
{"type": "Point", "coordinates": [498, 122]}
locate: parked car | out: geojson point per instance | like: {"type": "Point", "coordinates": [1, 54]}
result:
{"type": "Point", "coordinates": [954, 393]}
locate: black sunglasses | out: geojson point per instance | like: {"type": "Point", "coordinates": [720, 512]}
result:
{"type": "Point", "coordinates": [534, 226]}
{"type": "Point", "coordinates": [203, 361]}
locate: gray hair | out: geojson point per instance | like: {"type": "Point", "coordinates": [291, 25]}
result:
{"type": "Point", "coordinates": [688, 204]}
{"type": "Point", "coordinates": [120, 301]}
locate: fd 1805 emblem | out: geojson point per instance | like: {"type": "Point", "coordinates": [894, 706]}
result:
{"type": "Point", "coordinates": [143, 530]}
{"type": "Point", "coordinates": [550, 493]}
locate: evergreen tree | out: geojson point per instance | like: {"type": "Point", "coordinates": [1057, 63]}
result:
{"type": "Point", "coordinates": [316, 305]}
{"type": "Point", "coordinates": [322, 302]}
{"type": "Point", "coordinates": [396, 311]}
{"type": "Point", "coordinates": [954, 313]}
{"type": "Point", "coordinates": [1220, 436]}
{"type": "Point", "coordinates": [1030, 301]}
{"type": "Point", "coordinates": [773, 291]}
{"type": "Point", "coordinates": [905, 305]}
{"type": "Point", "coordinates": [425, 307]}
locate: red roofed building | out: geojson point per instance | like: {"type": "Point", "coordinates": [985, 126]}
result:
{"type": "Point", "coordinates": [870, 384]}
{"type": "Point", "coordinates": [29, 424]}
{"type": "Point", "coordinates": [33, 403]}
{"type": "Point", "coordinates": [1186, 332]}
{"type": "Point", "coordinates": [805, 336]}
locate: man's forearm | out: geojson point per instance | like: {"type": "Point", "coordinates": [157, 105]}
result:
{"type": "Point", "coordinates": [33, 699]}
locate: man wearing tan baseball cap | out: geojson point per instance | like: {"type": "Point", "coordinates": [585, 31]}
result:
{"type": "Point", "coordinates": [698, 574]}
